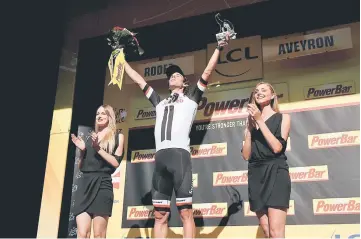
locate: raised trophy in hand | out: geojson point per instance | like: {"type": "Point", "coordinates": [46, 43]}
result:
{"type": "Point", "coordinates": [225, 27]}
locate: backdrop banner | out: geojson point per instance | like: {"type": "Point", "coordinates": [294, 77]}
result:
{"type": "Point", "coordinates": [323, 154]}
{"type": "Point", "coordinates": [240, 61]}
{"type": "Point", "coordinates": [280, 48]}
{"type": "Point", "coordinates": [155, 70]}
{"type": "Point", "coordinates": [329, 90]}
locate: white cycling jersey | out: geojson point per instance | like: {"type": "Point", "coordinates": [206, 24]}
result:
{"type": "Point", "coordinates": [175, 116]}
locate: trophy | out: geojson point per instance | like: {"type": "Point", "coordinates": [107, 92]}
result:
{"type": "Point", "coordinates": [119, 39]}
{"type": "Point", "coordinates": [225, 27]}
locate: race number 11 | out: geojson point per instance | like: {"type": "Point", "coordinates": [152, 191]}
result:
{"type": "Point", "coordinates": [166, 131]}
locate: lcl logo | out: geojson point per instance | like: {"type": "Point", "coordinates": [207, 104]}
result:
{"type": "Point", "coordinates": [234, 56]}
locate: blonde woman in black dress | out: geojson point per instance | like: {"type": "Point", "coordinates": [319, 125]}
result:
{"type": "Point", "coordinates": [269, 184]}
{"type": "Point", "coordinates": [101, 153]}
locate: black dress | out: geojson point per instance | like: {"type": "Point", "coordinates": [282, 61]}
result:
{"type": "Point", "coordinates": [269, 183]}
{"type": "Point", "coordinates": [95, 189]}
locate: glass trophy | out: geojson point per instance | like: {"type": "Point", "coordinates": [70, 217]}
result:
{"type": "Point", "coordinates": [225, 26]}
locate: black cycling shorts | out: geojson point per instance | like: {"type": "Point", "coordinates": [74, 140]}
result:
{"type": "Point", "coordinates": [173, 171]}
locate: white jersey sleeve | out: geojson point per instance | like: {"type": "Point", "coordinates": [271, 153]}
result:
{"type": "Point", "coordinates": [196, 93]}
{"type": "Point", "coordinates": [151, 95]}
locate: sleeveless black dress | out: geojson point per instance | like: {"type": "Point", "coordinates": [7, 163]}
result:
{"type": "Point", "coordinates": [269, 183]}
{"type": "Point", "coordinates": [95, 189]}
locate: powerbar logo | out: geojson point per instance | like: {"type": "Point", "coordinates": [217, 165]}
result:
{"type": "Point", "coordinates": [336, 206]}
{"type": "Point", "coordinates": [204, 210]}
{"type": "Point", "coordinates": [143, 156]}
{"type": "Point", "coordinates": [218, 109]}
{"type": "Point", "coordinates": [197, 151]}
{"type": "Point", "coordinates": [209, 150]}
{"type": "Point", "coordinates": [140, 212]}
{"type": "Point", "coordinates": [330, 140]}
{"type": "Point", "coordinates": [210, 210]}
{"type": "Point", "coordinates": [297, 174]}
{"type": "Point", "coordinates": [249, 213]}
{"type": "Point", "coordinates": [308, 174]}
{"type": "Point", "coordinates": [329, 90]}
{"type": "Point", "coordinates": [146, 113]}
{"type": "Point", "coordinates": [231, 107]}
{"type": "Point", "coordinates": [230, 178]}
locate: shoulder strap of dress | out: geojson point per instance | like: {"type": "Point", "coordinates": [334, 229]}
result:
{"type": "Point", "coordinates": [279, 122]}
{"type": "Point", "coordinates": [116, 136]}
{"type": "Point", "coordinates": [116, 139]}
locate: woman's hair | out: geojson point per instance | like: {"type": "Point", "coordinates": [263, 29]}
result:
{"type": "Point", "coordinates": [108, 142]}
{"type": "Point", "coordinates": [274, 101]}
